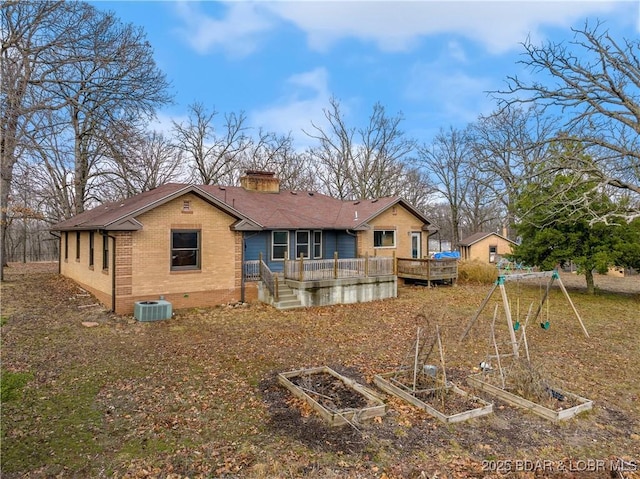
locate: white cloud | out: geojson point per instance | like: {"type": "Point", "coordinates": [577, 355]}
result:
{"type": "Point", "coordinates": [457, 96]}
{"type": "Point", "coordinates": [237, 32]}
{"type": "Point", "coordinates": [456, 51]}
{"type": "Point", "coordinates": [397, 26]}
{"type": "Point", "coordinates": [499, 25]}
{"type": "Point", "coordinates": [163, 122]}
{"type": "Point", "coordinates": [307, 95]}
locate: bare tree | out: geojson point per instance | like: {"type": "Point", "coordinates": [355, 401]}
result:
{"type": "Point", "coordinates": [69, 71]}
{"type": "Point", "coordinates": [215, 156]}
{"type": "Point", "coordinates": [447, 161]}
{"type": "Point", "coordinates": [31, 32]}
{"type": "Point", "coordinates": [356, 163]}
{"type": "Point", "coordinates": [112, 79]}
{"type": "Point", "coordinates": [417, 189]}
{"type": "Point", "coordinates": [28, 237]}
{"type": "Point", "coordinates": [276, 153]}
{"type": "Point", "coordinates": [593, 81]}
{"type": "Point", "coordinates": [440, 215]}
{"type": "Point", "coordinates": [139, 161]}
{"type": "Point", "coordinates": [333, 156]}
{"type": "Point", "coordinates": [509, 145]}
{"type": "Point", "coordinates": [480, 209]}
{"type": "Point", "coordinates": [380, 162]}
{"type": "Point", "coordinates": [54, 157]}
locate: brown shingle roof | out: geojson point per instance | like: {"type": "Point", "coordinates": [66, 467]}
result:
{"type": "Point", "coordinates": [254, 210]}
{"type": "Point", "coordinates": [301, 209]}
{"type": "Point", "coordinates": [474, 238]}
{"type": "Point", "coordinates": [109, 213]}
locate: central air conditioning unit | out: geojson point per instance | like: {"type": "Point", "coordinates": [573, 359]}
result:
{"type": "Point", "coordinates": [152, 310]}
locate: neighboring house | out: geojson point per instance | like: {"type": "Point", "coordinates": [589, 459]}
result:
{"type": "Point", "coordinates": [189, 244]}
{"type": "Point", "coordinates": [485, 247]}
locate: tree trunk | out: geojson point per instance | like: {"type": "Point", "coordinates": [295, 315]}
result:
{"type": "Point", "coordinates": [588, 274]}
{"type": "Point", "coordinates": [5, 186]}
{"type": "Point", "coordinates": [5, 189]}
{"type": "Point", "coordinates": [81, 174]}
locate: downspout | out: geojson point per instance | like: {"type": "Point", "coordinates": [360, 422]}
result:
{"type": "Point", "coordinates": [244, 245]}
{"type": "Point", "coordinates": [113, 276]}
{"type": "Point", "coordinates": [113, 271]}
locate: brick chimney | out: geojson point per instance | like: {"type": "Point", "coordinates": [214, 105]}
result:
{"type": "Point", "coordinates": [263, 181]}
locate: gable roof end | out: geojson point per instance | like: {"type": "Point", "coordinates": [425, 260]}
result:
{"type": "Point", "coordinates": [474, 238]}
{"type": "Point", "coordinates": [121, 216]}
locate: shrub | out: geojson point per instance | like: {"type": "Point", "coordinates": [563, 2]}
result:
{"type": "Point", "coordinates": [477, 272]}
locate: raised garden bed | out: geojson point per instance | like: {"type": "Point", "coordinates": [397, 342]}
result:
{"type": "Point", "coordinates": [446, 402]}
{"type": "Point", "coordinates": [561, 405]}
{"type": "Point", "coordinates": [337, 399]}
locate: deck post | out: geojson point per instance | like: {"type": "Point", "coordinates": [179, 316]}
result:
{"type": "Point", "coordinates": [335, 265]}
{"type": "Point", "coordinates": [395, 264]}
{"type": "Point", "coordinates": [366, 264]}
{"type": "Point", "coordinates": [301, 265]}
{"type": "Point", "coordinates": [275, 289]}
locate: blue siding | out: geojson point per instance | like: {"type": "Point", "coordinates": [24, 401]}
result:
{"type": "Point", "coordinates": [328, 244]}
{"type": "Point", "coordinates": [256, 243]}
{"type": "Point", "coordinates": [340, 241]}
{"type": "Point", "coordinates": [346, 245]}
{"type": "Point", "coordinates": [260, 242]}
{"type": "Point", "coordinates": [332, 240]}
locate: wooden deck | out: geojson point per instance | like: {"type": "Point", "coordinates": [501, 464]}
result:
{"type": "Point", "coordinates": [428, 269]}
{"type": "Point", "coordinates": [443, 270]}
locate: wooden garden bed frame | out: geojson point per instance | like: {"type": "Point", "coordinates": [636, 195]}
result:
{"type": "Point", "coordinates": [384, 382]}
{"type": "Point", "coordinates": [340, 417]}
{"type": "Point", "coordinates": [518, 401]}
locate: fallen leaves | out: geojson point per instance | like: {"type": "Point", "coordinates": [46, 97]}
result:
{"type": "Point", "coordinates": [195, 396]}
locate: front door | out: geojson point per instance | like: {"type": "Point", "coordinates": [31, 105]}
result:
{"type": "Point", "coordinates": [416, 245]}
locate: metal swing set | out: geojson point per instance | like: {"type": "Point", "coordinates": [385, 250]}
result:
{"type": "Point", "coordinates": [513, 327]}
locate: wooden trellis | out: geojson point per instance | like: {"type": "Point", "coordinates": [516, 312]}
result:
{"type": "Point", "coordinates": [419, 378]}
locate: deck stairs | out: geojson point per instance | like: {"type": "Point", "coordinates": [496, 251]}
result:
{"type": "Point", "coordinates": [286, 298]}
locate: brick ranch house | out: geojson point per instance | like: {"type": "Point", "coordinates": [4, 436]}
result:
{"type": "Point", "coordinates": [191, 244]}
{"type": "Point", "coordinates": [485, 247]}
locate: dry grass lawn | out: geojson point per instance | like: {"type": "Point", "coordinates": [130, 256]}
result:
{"type": "Point", "coordinates": [197, 396]}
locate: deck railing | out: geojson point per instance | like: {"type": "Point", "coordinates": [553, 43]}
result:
{"type": "Point", "coordinates": [428, 269]}
{"type": "Point", "coordinates": [309, 270]}
{"type": "Point", "coordinates": [269, 279]}
{"type": "Point", "coordinates": [252, 270]}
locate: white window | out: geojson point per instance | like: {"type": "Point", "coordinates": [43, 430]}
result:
{"type": "Point", "coordinates": [317, 244]}
{"type": "Point", "coordinates": [279, 245]}
{"type": "Point", "coordinates": [384, 239]}
{"type": "Point", "coordinates": [185, 249]}
{"type": "Point", "coordinates": [302, 244]}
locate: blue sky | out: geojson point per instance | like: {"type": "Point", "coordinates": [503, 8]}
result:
{"type": "Point", "coordinates": [280, 62]}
